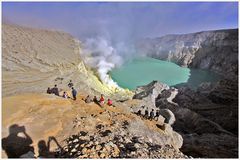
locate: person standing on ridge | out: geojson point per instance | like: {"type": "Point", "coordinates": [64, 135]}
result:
{"type": "Point", "coordinates": [157, 114]}
{"type": "Point", "coordinates": [74, 93]}
{"type": "Point", "coordinates": [152, 115]}
{"type": "Point", "coordinates": [146, 113]}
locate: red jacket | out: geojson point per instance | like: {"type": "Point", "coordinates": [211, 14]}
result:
{"type": "Point", "coordinates": [109, 102]}
{"type": "Point", "coordinates": [101, 99]}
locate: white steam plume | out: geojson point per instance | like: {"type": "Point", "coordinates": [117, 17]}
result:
{"type": "Point", "coordinates": [99, 54]}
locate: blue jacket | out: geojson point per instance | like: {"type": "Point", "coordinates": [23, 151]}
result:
{"type": "Point", "coordinates": [74, 92]}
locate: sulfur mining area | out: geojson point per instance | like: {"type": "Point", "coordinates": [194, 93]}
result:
{"type": "Point", "coordinates": [200, 123]}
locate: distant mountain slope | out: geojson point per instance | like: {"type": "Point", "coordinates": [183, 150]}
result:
{"type": "Point", "coordinates": [34, 59]}
{"type": "Point", "coordinates": [213, 50]}
{"type": "Point", "coordinates": [42, 50]}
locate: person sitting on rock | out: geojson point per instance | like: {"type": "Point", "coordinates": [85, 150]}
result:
{"type": "Point", "coordinates": [146, 113]}
{"type": "Point", "coordinates": [109, 102]}
{"type": "Point", "coordinates": [101, 101]}
{"type": "Point", "coordinates": [49, 91]}
{"type": "Point", "coordinates": [139, 112]}
{"type": "Point", "coordinates": [151, 115]}
{"type": "Point", "coordinates": [65, 95]}
{"type": "Point", "coordinates": [70, 84]}
{"type": "Point", "coordinates": [95, 100]}
{"type": "Point", "coordinates": [157, 114]}
{"type": "Point", "coordinates": [88, 99]}
{"type": "Point", "coordinates": [55, 90]}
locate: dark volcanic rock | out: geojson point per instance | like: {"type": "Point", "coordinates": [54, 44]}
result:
{"type": "Point", "coordinates": [219, 104]}
{"type": "Point", "coordinates": [207, 119]}
{"type": "Point", "coordinates": [207, 145]}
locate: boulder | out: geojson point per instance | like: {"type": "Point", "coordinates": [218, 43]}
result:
{"type": "Point", "coordinates": [168, 115]}
{"type": "Point", "coordinates": [152, 89]}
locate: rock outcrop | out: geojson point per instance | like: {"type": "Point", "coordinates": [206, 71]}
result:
{"type": "Point", "coordinates": [149, 93]}
{"type": "Point", "coordinates": [211, 50]}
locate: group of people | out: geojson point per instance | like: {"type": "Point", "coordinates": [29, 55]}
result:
{"type": "Point", "coordinates": [100, 102]}
{"type": "Point", "coordinates": [151, 116]}
{"type": "Point", "coordinates": [55, 91]}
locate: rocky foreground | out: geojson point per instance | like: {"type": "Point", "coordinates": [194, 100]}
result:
{"type": "Point", "coordinates": [204, 128]}
{"type": "Point", "coordinates": [83, 130]}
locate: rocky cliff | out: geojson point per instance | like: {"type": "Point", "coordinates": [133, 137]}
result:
{"type": "Point", "coordinates": [207, 118]}
{"type": "Point", "coordinates": [212, 50]}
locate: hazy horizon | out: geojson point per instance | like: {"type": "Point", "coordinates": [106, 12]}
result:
{"type": "Point", "coordinates": [121, 21]}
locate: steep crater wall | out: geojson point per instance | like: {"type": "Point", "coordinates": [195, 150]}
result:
{"type": "Point", "coordinates": [34, 59]}
{"type": "Point", "coordinates": [213, 50]}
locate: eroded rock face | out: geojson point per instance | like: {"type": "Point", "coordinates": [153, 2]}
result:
{"type": "Point", "coordinates": [203, 117]}
{"type": "Point", "coordinates": [219, 104]}
{"type": "Point", "coordinates": [212, 50]}
{"type": "Point", "coordinates": [149, 93]}
{"type": "Point", "coordinates": [168, 115]}
{"type": "Point", "coordinates": [210, 145]}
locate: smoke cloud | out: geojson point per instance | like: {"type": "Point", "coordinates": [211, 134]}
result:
{"type": "Point", "coordinates": [100, 55]}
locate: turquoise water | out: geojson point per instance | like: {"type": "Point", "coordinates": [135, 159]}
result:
{"type": "Point", "coordinates": [141, 71]}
